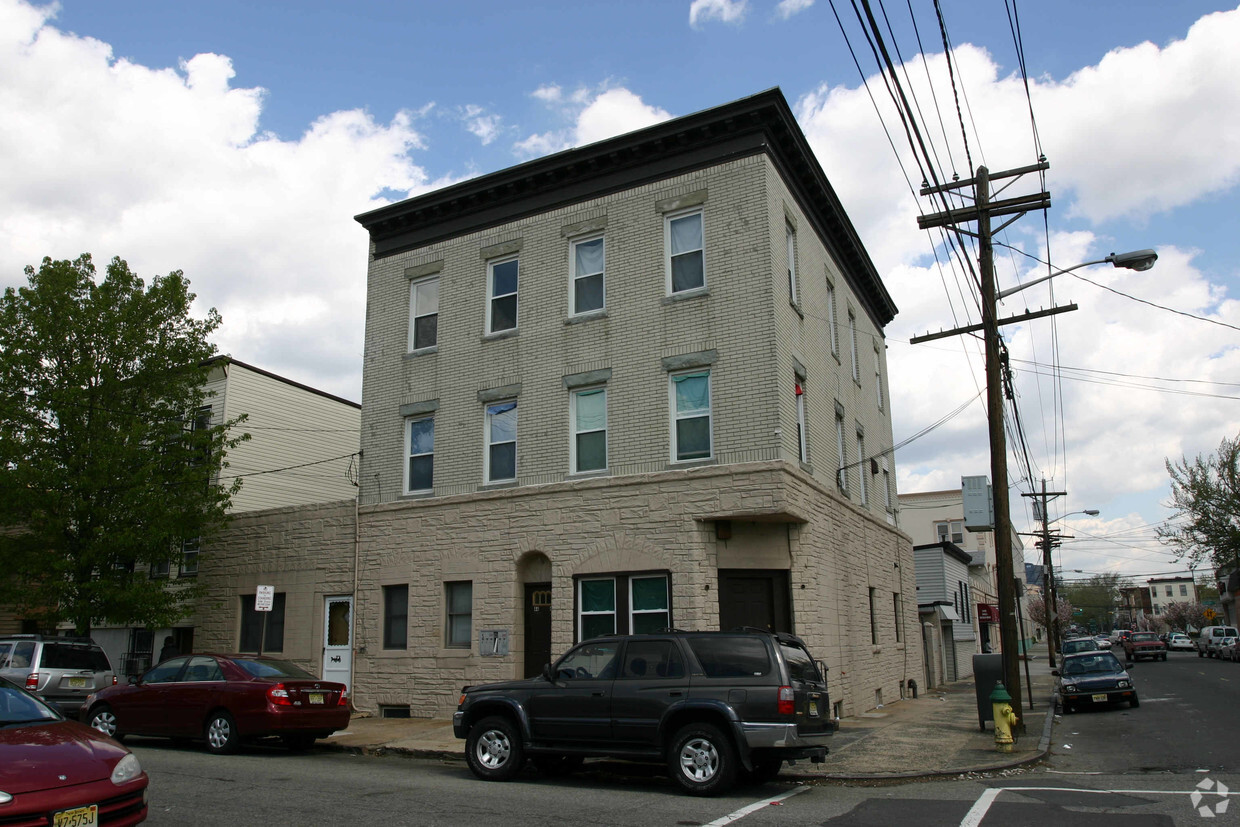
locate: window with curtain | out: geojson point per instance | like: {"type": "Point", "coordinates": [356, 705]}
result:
{"type": "Point", "coordinates": [686, 263]}
{"type": "Point", "coordinates": [588, 287]}
{"type": "Point", "coordinates": [649, 605]}
{"type": "Point", "coordinates": [589, 412]}
{"type": "Point", "coordinates": [597, 607]}
{"type": "Point", "coordinates": [501, 456]}
{"type": "Point", "coordinates": [691, 431]}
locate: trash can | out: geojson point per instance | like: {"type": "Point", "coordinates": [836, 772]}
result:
{"type": "Point", "coordinates": [987, 671]}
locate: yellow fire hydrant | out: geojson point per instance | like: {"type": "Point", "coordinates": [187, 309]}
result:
{"type": "Point", "coordinates": [1005, 718]}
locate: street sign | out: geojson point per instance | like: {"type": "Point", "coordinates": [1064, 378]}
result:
{"type": "Point", "coordinates": [264, 598]}
{"type": "Point", "coordinates": [987, 613]}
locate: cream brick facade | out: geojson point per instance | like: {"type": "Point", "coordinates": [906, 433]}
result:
{"type": "Point", "coordinates": [752, 506]}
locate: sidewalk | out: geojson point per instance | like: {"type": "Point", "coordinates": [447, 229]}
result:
{"type": "Point", "coordinates": [934, 734]}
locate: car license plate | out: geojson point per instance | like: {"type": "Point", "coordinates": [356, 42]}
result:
{"type": "Point", "coordinates": [813, 709]}
{"type": "Point", "coordinates": [77, 683]}
{"type": "Point", "coordinates": [315, 697]}
{"type": "Point", "coordinates": [77, 817]}
{"type": "Point", "coordinates": [1098, 699]}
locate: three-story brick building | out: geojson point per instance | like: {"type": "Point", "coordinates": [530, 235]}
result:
{"type": "Point", "coordinates": [634, 385]}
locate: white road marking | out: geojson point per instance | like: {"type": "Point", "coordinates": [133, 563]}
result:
{"type": "Point", "coordinates": [744, 811]}
{"type": "Point", "coordinates": [978, 811]}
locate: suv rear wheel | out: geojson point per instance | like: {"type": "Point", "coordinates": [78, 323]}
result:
{"type": "Point", "coordinates": [702, 760]}
{"type": "Point", "coordinates": [494, 750]}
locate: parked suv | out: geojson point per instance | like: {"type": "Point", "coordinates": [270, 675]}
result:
{"type": "Point", "coordinates": [1144, 645]}
{"type": "Point", "coordinates": [62, 670]}
{"type": "Point", "coordinates": [711, 705]}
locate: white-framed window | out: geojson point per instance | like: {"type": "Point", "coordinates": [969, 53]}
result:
{"type": "Point", "coordinates": [423, 313]}
{"type": "Point", "coordinates": [852, 332]}
{"type": "Point", "coordinates": [686, 253]}
{"type": "Point", "coordinates": [878, 375]}
{"type": "Point", "coordinates": [588, 409]}
{"type": "Point", "coordinates": [459, 608]}
{"type": "Point", "coordinates": [802, 434]}
{"type": "Point", "coordinates": [623, 603]}
{"type": "Point", "coordinates": [691, 415]}
{"type": "Point", "coordinates": [790, 238]}
{"type": "Point", "coordinates": [587, 260]}
{"type": "Point", "coordinates": [833, 326]}
{"type": "Point", "coordinates": [950, 530]}
{"type": "Point", "coordinates": [419, 453]}
{"type": "Point", "coordinates": [501, 438]}
{"type": "Point", "coordinates": [502, 294]}
{"type": "Point", "coordinates": [861, 470]}
{"type": "Point", "coordinates": [841, 473]}
{"type": "Point", "coordinates": [189, 558]}
{"type": "Point", "coordinates": [1183, 590]}
{"type": "Point", "coordinates": [1168, 591]}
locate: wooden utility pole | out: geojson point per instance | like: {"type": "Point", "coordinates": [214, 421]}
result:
{"type": "Point", "coordinates": [982, 211]}
{"type": "Point", "coordinates": [1050, 594]}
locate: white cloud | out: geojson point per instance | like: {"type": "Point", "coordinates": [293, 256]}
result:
{"type": "Point", "coordinates": [726, 11]}
{"type": "Point", "coordinates": [168, 169]}
{"type": "Point", "coordinates": [595, 116]}
{"type": "Point", "coordinates": [787, 8]}
{"type": "Point", "coordinates": [486, 126]}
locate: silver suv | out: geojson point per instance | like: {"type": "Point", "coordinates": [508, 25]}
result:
{"type": "Point", "coordinates": [61, 670]}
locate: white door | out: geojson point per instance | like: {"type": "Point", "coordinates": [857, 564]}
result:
{"type": "Point", "coordinates": [338, 640]}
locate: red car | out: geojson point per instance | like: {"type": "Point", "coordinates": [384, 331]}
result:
{"type": "Point", "coordinates": [222, 700]}
{"type": "Point", "coordinates": [59, 772]}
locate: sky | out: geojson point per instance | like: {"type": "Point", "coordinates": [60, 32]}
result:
{"type": "Point", "coordinates": [236, 141]}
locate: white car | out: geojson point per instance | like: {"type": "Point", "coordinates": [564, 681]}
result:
{"type": "Point", "coordinates": [1181, 642]}
{"type": "Point", "coordinates": [1104, 642]}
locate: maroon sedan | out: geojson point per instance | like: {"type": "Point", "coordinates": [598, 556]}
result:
{"type": "Point", "coordinates": [61, 773]}
{"type": "Point", "coordinates": [223, 700]}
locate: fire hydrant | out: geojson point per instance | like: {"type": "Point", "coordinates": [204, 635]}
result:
{"type": "Point", "coordinates": [1005, 718]}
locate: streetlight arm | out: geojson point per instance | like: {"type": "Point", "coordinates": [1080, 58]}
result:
{"type": "Point", "coordinates": [1135, 260]}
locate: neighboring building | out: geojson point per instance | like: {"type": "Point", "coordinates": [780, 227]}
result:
{"type": "Point", "coordinates": [302, 450]}
{"type": "Point", "coordinates": [1166, 590]}
{"type": "Point", "coordinates": [1134, 605]}
{"type": "Point", "coordinates": [1228, 579]}
{"type": "Point", "coordinates": [932, 517]}
{"type": "Point", "coordinates": [945, 606]}
{"type": "Point", "coordinates": [634, 385]}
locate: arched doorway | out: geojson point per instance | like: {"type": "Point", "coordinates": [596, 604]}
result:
{"type": "Point", "coordinates": [534, 572]}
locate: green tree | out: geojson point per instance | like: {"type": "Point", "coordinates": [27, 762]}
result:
{"type": "Point", "coordinates": [1205, 493]}
{"type": "Point", "coordinates": [1097, 598]}
{"type": "Point", "coordinates": [105, 463]}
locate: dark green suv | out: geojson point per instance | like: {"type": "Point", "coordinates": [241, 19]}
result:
{"type": "Point", "coordinates": [714, 706]}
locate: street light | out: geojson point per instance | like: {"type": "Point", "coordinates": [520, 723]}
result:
{"type": "Point", "coordinates": [1136, 260]}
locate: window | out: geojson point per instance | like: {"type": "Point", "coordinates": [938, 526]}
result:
{"type": "Point", "coordinates": [950, 530]}
{"type": "Point", "coordinates": [852, 331]}
{"type": "Point", "coordinates": [395, 616]}
{"type": "Point", "coordinates": [873, 620]}
{"type": "Point", "coordinates": [878, 376]}
{"type": "Point", "coordinates": [459, 599]}
{"type": "Point", "coordinates": [841, 473]}
{"type": "Point", "coordinates": [861, 469]}
{"type": "Point", "coordinates": [832, 325]}
{"type": "Point", "coordinates": [899, 616]}
{"type": "Point", "coordinates": [691, 437]}
{"type": "Point", "coordinates": [502, 295]}
{"type": "Point", "coordinates": [686, 263]}
{"type": "Point", "coordinates": [262, 629]}
{"type": "Point", "coordinates": [624, 604]}
{"type": "Point", "coordinates": [652, 659]}
{"type": "Point", "coordinates": [887, 501]}
{"type": "Point", "coordinates": [501, 455]}
{"type": "Point", "coordinates": [589, 414]}
{"type": "Point", "coordinates": [424, 313]}
{"type": "Point", "coordinates": [588, 286]}
{"type": "Point", "coordinates": [1183, 590]}
{"type": "Point", "coordinates": [159, 571]}
{"type": "Point", "coordinates": [1168, 591]}
{"type": "Point", "coordinates": [189, 558]}
{"type": "Point", "coordinates": [802, 433]}
{"type": "Point", "coordinates": [790, 238]}
{"type": "Point", "coordinates": [420, 447]}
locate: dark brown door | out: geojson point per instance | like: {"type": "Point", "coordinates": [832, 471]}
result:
{"type": "Point", "coordinates": [537, 627]}
{"type": "Point", "coordinates": [757, 598]}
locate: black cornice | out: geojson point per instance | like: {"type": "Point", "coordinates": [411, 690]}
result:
{"type": "Point", "coordinates": [762, 123]}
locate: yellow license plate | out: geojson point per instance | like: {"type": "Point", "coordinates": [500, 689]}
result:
{"type": "Point", "coordinates": [813, 709]}
{"type": "Point", "coordinates": [77, 683]}
{"type": "Point", "coordinates": [315, 697]}
{"type": "Point", "coordinates": [77, 817]}
{"type": "Point", "coordinates": [1100, 699]}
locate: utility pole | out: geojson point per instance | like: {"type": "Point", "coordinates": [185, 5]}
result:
{"type": "Point", "coordinates": [1049, 590]}
{"type": "Point", "coordinates": [982, 211]}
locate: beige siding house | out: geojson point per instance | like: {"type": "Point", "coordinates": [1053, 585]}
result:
{"type": "Point", "coordinates": [302, 451]}
{"type": "Point", "coordinates": [630, 386]}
